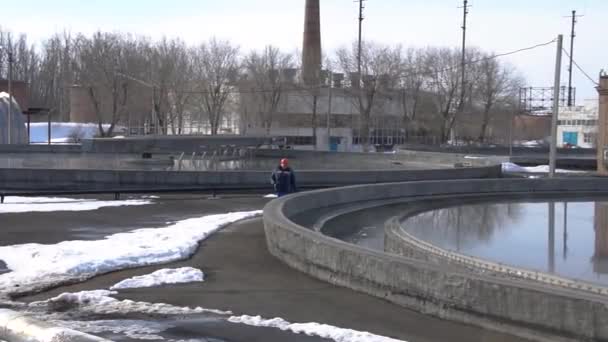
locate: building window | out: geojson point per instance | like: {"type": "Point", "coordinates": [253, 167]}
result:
{"type": "Point", "coordinates": [300, 140]}
{"type": "Point", "coordinates": [589, 138]}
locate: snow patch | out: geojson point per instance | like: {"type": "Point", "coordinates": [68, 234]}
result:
{"type": "Point", "coordinates": [17, 204]}
{"type": "Point", "coordinates": [512, 167]}
{"type": "Point", "coordinates": [138, 330]}
{"type": "Point", "coordinates": [162, 277]}
{"type": "Point", "coordinates": [312, 329]}
{"type": "Point", "coordinates": [37, 267]}
{"type": "Point", "coordinates": [100, 302]}
{"type": "Point", "coordinates": [271, 196]}
{"type": "Point", "coordinates": [67, 132]}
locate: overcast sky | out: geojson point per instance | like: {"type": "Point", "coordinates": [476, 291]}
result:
{"type": "Point", "coordinates": [494, 25]}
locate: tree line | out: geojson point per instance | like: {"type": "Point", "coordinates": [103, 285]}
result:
{"type": "Point", "coordinates": [201, 83]}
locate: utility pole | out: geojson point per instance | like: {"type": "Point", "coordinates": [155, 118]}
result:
{"type": "Point", "coordinates": [554, 117]}
{"type": "Point", "coordinates": [329, 99]}
{"type": "Point", "coordinates": [572, 36]}
{"type": "Point", "coordinates": [465, 12]}
{"type": "Point", "coordinates": [10, 95]}
{"type": "Point", "coordinates": [361, 7]}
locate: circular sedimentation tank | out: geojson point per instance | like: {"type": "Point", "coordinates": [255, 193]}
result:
{"type": "Point", "coordinates": [422, 276]}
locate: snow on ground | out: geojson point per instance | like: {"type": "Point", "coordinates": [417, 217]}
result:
{"type": "Point", "coordinates": [66, 132]}
{"type": "Point", "coordinates": [162, 277]}
{"type": "Point", "coordinates": [16, 204]}
{"type": "Point", "coordinates": [100, 302]}
{"type": "Point", "coordinates": [37, 267]}
{"type": "Point", "coordinates": [312, 329]}
{"type": "Point", "coordinates": [512, 167]}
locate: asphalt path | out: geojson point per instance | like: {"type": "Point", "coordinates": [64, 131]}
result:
{"type": "Point", "coordinates": [241, 276]}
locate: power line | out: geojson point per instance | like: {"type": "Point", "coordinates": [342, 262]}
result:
{"type": "Point", "coordinates": [253, 90]}
{"type": "Point", "coordinates": [483, 59]}
{"type": "Point", "coordinates": [581, 69]}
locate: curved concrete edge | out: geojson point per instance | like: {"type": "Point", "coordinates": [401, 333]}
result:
{"type": "Point", "coordinates": [77, 178]}
{"type": "Point", "coordinates": [531, 310]}
{"type": "Point", "coordinates": [17, 327]}
{"type": "Point", "coordinates": [398, 241]}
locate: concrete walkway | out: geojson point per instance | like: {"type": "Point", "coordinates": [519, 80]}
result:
{"type": "Point", "coordinates": [244, 278]}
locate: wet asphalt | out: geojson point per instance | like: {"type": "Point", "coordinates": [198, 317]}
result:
{"type": "Point", "coordinates": [241, 276]}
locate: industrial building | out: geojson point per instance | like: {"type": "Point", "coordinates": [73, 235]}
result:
{"type": "Point", "coordinates": [577, 126]}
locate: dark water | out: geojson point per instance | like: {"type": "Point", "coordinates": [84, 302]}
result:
{"type": "Point", "coordinates": [565, 238]}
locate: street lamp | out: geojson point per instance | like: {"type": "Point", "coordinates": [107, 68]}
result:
{"type": "Point", "coordinates": [10, 91]}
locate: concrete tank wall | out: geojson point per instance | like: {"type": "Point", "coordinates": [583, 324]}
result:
{"type": "Point", "coordinates": [530, 309]}
{"type": "Point", "coordinates": [53, 179]}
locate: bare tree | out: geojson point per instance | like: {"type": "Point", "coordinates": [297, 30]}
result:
{"type": "Point", "coordinates": [171, 69]}
{"type": "Point", "coordinates": [264, 69]}
{"type": "Point", "coordinates": [101, 62]}
{"type": "Point", "coordinates": [380, 67]}
{"type": "Point", "coordinates": [444, 84]}
{"type": "Point", "coordinates": [411, 87]}
{"type": "Point", "coordinates": [497, 85]}
{"type": "Point", "coordinates": [216, 66]}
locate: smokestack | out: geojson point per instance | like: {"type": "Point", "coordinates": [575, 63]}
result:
{"type": "Point", "coordinates": [311, 50]}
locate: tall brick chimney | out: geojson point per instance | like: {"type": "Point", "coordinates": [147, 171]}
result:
{"type": "Point", "coordinates": [311, 49]}
{"type": "Point", "coordinates": [602, 129]}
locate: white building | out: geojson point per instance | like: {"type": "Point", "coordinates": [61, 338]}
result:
{"type": "Point", "coordinates": [577, 126]}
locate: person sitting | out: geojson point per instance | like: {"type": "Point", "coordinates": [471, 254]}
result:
{"type": "Point", "coordinates": [283, 179]}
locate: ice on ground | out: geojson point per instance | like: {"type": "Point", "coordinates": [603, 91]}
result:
{"type": "Point", "coordinates": [312, 329]}
{"type": "Point", "coordinates": [512, 167]}
{"type": "Point", "coordinates": [37, 267]}
{"type": "Point", "coordinates": [18, 204]}
{"type": "Point", "coordinates": [162, 277]}
{"type": "Point", "coordinates": [134, 329]}
{"type": "Point", "coordinates": [100, 302]}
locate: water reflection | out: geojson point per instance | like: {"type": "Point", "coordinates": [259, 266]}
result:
{"type": "Point", "coordinates": [600, 226]}
{"type": "Point", "coordinates": [525, 235]}
{"type": "Point", "coordinates": [460, 228]}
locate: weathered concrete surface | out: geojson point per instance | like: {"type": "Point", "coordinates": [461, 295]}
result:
{"type": "Point", "coordinates": [22, 178]}
{"type": "Point", "coordinates": [242, 276]}
{"type": "Point", "coordinates": [400, 156]}
{"type": "Point", "coordinates": [23, 148]}
{"type": "Point", "coordinates": [169, 143]}
{"type": "Point", "coordinates": [542, 312]}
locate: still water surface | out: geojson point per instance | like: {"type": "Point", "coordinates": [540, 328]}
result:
{"type": "Point", "coordinates": [565, 238]}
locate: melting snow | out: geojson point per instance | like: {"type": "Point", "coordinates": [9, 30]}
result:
{"type": "Point", "coordinates": [100, 302]}
{"type": "Point", "coordinates": [37, 267]}
{"type": "Point", "coordinates": [162, 277]}
{"type": "Point", "coordinates": [312, 329]}
{"type": "Point", "coordinates": [512, 167]}
{"type": "Point", "coordinates": [16, 204]}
